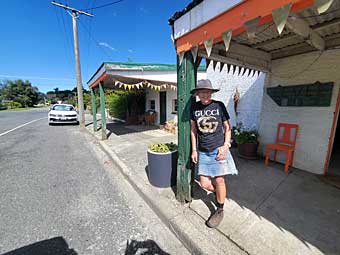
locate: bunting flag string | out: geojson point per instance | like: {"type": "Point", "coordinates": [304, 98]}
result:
{"type": "Point", "coordinates": [194, 51]}
{"type": "Point", "coordinates": [209, 45]}
{"type": "Point", "coordinates": [323, 5]}
{"type": "Point", "coordinates": [144, 84]}
{"type": "Point", "coordinates": [181, 57]}
{"type": "Point", "coordinates": [280, 17]}
{"type": "Point", "coordinates": [226, 36]}
{"type": "Point", "coordinates": [251, 27]}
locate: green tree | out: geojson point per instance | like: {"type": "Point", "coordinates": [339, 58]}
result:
{"type": "Point", "coordinates": [20, 91]}
{"type": "Point", "coordinates": [122, 103]}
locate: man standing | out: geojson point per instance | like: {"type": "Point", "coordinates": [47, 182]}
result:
{"type": "Point", "coordinates": [210, 142]}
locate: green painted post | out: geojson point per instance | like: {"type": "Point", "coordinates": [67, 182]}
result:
{"type": "Point", "coordinates": [94, 109]}
{"type": "Point", "coordinates": [186, 81]}
{"type": "Point", "coordinates": [102, 110]}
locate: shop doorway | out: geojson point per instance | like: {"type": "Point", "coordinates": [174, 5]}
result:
{"type": "Point", "coordinates": [334, 160]}
{"type": "Point", "coordinates": [334, 163]}
{"type": "Point", "coordinates": [162, 106]}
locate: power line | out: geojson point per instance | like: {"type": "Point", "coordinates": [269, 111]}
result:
{"type": "Point", "coordinates": [75, 14]}
{"type": "Point", "coordinates": [102, 6]}
{"type": "Point", "coordinates": [37, 77]}
{"type": "Point", "coordinates": [96, 42]}
{"type": "Point", "coordinates": [65, 44]}
{"type": "Point", "coordinates": [90, 4]}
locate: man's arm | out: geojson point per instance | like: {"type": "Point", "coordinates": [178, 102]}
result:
{"type": "Point", "coordinates": [222, 151]}
{"type": "Point", "coordinates": [227, 133]}
{"type": "Point", "coordinates": [193, 137]}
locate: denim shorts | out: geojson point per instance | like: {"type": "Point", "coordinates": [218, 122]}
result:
{"type": "Point", "coordinates": [209, 166]}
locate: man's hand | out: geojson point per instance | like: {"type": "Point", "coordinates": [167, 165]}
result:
{"type": "Point", "coordinates": [222, 152]}
{"type": "Point", "coordinates": [194, 157]}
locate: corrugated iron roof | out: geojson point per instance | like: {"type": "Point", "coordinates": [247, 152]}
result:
{"type": "Point", "coordinates": [268, 39]}
{"type": "Point", "coordinates": [179, 14]}
{"type": "Point", "coordinates": [145, 67]}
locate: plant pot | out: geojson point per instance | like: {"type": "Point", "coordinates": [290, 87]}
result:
{"type": "Point", "coordinates": [162, 168]}
{"type": "Point", "coordinates": [247, 150]}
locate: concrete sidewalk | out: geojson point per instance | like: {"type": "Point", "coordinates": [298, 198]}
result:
{"type": "Point", "coordinates": [267, 211]}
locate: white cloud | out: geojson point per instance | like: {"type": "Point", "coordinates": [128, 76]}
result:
{"type": "Point", "coordinates": [143, 10]}
{"type": "Point", "coordinates": [130, 51]}
{"type": "Point", "coordinates": [106, 45]}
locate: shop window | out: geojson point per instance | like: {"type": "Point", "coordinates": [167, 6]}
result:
{"type": "Point", "coordinates": [317, 94]}
{"type": "Point", "coordinates": [174, 106]}
{"type": "Point", "coordinates": [152, 105]}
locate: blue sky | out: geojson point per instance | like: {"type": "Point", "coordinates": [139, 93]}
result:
{"type": "Point", "coordinates": [37, 41]}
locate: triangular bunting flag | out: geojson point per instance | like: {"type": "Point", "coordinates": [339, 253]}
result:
{"type": "Point", "coordinates": [194, 51]}
{"type": "Point", "coordinates": [251, 27]}
{"type": "Point", "coordinates": [258, 73]}
{"type": "Point", "coordinates": [209, 45]}
{"type": "Point", "coordinates": [125, 86]}
{"type": "Point", "coordinates": [181, 57]}
{"type": "Point", "coordinates": [226, 36]}
{"type": "Point", "coordinates": [221, 66]}
{"type": "Point", "coordinates": [280, 17]}
{"type": "Point", "coordinates": [323, 5]}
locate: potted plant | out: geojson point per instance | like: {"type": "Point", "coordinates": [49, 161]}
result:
{"type": "Point", "coordinates": [247, 141]}
{"type": "Point", "coordinates": [162, 164]}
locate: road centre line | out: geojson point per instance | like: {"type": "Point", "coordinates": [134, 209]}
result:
{"type": "Point", "coordinates": [8, 131]}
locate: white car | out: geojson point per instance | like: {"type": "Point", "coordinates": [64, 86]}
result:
{"type": "Point", "coordinates": [62, 113]}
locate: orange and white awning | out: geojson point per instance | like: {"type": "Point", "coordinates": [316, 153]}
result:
{"type": "Point", "coordinates": [215, 22]}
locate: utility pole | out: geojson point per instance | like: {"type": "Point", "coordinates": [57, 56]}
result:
{"type": "Point", "coordinates": [75, 14]}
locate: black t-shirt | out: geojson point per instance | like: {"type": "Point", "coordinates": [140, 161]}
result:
{"type": "Point", "coordinates": [209, 122]}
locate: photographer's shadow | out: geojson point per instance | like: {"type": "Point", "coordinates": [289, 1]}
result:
{"type": "Point", "coordinates": [208, 198]}
{"type": "Point", "coordinates": [147, 247]}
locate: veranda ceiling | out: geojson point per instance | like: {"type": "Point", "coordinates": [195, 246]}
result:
{"type": "Point", "coordinates": [132, 76]}
{"type": "Point", "coordinates": [305, 30]}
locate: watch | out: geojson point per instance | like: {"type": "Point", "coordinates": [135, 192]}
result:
{"type": "Point", "coordinates": [228, 144]}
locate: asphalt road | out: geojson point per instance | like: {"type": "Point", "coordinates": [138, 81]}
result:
{"type": "Point", "coordinates": [10, 120]}
{"type": "Point", "coordinates": [60, 194]}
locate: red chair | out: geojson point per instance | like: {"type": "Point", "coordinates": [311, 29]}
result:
{"type": "Point", "coordinates": [285, 142]}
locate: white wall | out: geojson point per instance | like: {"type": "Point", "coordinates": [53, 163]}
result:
{"type": "Point", "coordinates": [314, 122]}
{"type": "Point", "coordinates": [170, 95]}
{"type": "Point", "coordinates": [200, 14]}
{"type": "Point", "coordinates": [152, 95]}
{"type": "Point", "coordinates": [251, 91]}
